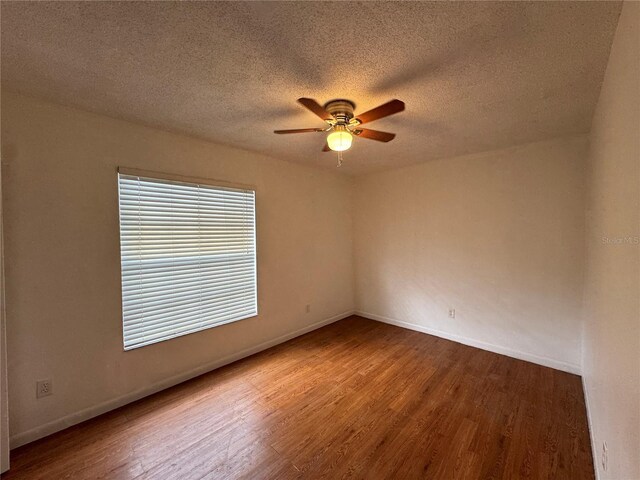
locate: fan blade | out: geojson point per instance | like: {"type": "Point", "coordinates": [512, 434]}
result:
{"type": "Point", "coordinates": [315, 107]}
{"type": "Point", "coordinates": [375, 134]}
{"type": "Point", "coordinates": [326, 147]}
{"type": "Point", "coordinates": [299, 130]}
{"type": "Point", "coordinates": [389, 108]}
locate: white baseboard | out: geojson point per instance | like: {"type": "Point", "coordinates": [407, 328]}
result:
{"type": "Point", "coordinates": [592, 436]}
{"type": "Point", "coordinates": [41, 431]}
{"type": "Point", "coordinates": [529, 357]}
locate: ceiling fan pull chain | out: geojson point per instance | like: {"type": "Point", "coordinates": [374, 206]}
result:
{"type": "Point", "coordinates": [339, 159]}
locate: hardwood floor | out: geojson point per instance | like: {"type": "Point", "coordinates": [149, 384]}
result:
{"type": "Point", "coordinates": [355, 399]}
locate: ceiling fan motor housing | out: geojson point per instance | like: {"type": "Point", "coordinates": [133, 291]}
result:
{"type": "Point", "coordinates": [341, 109]}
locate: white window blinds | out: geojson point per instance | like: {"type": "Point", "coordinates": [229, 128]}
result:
{"type": "Point", "coordinates": [188, 256]}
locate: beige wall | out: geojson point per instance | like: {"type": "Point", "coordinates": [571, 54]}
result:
{"type": "Point", "coordinates": [498, 236]}
{"type": "Point", "coordinates": [611, 351]}
{"type": "Point", "coordinates": [62, 258]}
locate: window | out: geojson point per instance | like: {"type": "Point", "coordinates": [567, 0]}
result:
{"type": "Point", "coordinates": [188, 257]}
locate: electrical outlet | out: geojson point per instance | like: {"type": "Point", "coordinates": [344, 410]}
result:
{"type": "Point", "coordinates": [308, 308]}
{"type": "Point", "coordinates": [44, 388]}
{"type": "Point", "coordinates": [605, 456]}
{"type": "Point", "coordinates": [452, 313]}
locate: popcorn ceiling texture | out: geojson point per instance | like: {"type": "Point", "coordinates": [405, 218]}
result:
{"type": "Point", "coordinates": [475, 76]}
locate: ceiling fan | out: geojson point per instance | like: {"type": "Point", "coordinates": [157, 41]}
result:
{"type": "Point", "coordinates": [344, 124]}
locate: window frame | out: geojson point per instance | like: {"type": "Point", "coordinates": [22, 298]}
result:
{"type": "Point", "coordinates": [169, 177]}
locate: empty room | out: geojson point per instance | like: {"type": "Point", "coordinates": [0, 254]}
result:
{"type": "Point", "coordinates": [320, 240]}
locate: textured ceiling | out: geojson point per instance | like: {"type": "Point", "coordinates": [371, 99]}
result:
{"type": "Point", "coordinates": [475, 76]}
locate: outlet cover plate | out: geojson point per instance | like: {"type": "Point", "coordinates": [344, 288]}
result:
{"type": "Point", "coordinates": [44, 388]}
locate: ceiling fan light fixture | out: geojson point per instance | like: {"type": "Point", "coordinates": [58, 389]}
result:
{"type": "Point", "coordinates": [339, 140]}
{"type": "Point", "coordinates": [343, 124]}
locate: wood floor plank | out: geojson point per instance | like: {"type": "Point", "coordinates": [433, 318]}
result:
{"type": "Point", "coordinates": [355, 399]}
